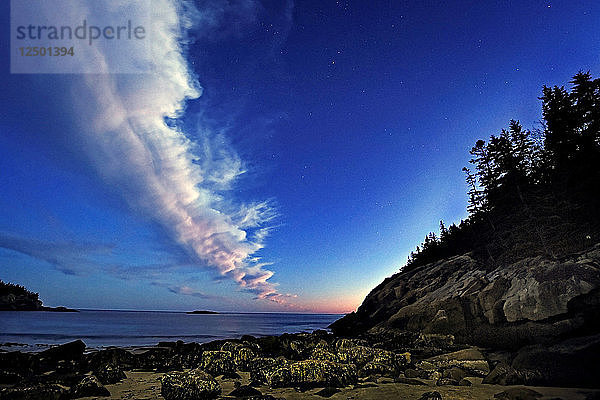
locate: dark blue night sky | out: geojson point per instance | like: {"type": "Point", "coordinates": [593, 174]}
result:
{"type": "Point", "coordinates": [339, 127]}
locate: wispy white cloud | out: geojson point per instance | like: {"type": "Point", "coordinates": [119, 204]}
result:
{"type": "Point", "coordinates": [126, 130]}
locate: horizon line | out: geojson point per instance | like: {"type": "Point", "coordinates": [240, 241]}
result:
{"type": "Point", "coordinates": [219, 312]}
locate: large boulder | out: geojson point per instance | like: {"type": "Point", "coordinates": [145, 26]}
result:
{"type": "Point", "coordinates": [89, 386]}
{"type": "Point", "coordinates": [297, 346]}
{"type": "Point", "coordinates": [361, 355]}
{"type": "Point", "coordinates": [110, 374]}
{"type": "Point", "coordinates": [157, 358]}
{"type": "Point", "coordinates": [375, 368]}
{"type": "Point", "coordinates": [324, 355]}
{"type": "Point", "coordinates": [470, 360]}
{"type": "Point", "coordinates": [241, 354]}
{"type": "Point", "coordinates": [571, 363]}
{"type": "Point", "coordinates": [68, 351]}
{"type": "Point", "coordinates": [431, 396]}
{"type": "Point", "coordinates": [261, 368]}
{"type": "Point", "coordinates": [110, 357]}
{"type": "Point", "coordinates": [503, 374]}
{"type": "Point", "coordinates": [245, 391]}
{"type": "Point", "coordinates": [313, 373]}
{"type": "Point", "coordinates": [195, 384]}
{"type": "Point", "coordinates": [217, 362]}
{"type": "Point", "coordinates": [23, 364]}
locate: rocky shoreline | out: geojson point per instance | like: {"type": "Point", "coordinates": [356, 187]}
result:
{"type": "Point", "coordinates": [291, 366]}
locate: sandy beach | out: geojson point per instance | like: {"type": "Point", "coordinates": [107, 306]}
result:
{"type": "Point", "coordinates": [146, 386]}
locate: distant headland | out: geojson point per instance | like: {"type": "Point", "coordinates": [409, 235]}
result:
{"type": "Point", "coordinates": [16, 298]}
{"type": "Point", "coordinates": [202, 312]}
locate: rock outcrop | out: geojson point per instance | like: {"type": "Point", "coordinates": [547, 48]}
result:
{"type": "Point", "coordinates": [533, 301]}
{"type": "Point", "coordinates": [536, 318]}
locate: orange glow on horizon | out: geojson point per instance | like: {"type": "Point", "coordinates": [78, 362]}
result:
{"type": "Point", "coordinates": [336, 305]}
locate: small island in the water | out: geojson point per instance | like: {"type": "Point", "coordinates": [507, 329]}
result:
{"type": "Point", "coordinates": [16, 298]}
{"type": "Point", "coordinates": [201, 312]}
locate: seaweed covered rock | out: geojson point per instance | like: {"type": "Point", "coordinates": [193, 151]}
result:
{"type": "Point", "coordinates": [89, 386]}
{"type": "Point", "coordinates": [37, 392]}
{"type": "Point", "coordinates": [431, 396]}
{"type": "Point", "coordinates": [447, 382]}
{"type": "Point", "coordinates": [110, 357]}
{"type": "Point", "coordinates": [195, 384]}
{"type": "Point", "coordinates": [110, 374]}
{"type": "Point", "coordinates": [361, 355]}
{"type": "Point", "coordinates": [217, 362]}
{"type": "Point", "coordinates": [324, 355]}
{"type": "Point", "coordinates": [375, 368]}
{"type": "Point", "coordinates": [346, 343]}
{"type": "Point", "coordinates": [469, 360]}
{"type": "Point", "coordinates": [313, 373]}
{"type": "Point", "coordinates": [242, 355]}
{"type": "Point", "coordinates": [298, 346]}
{"type": "Point", "coordinates": [156, 358]}
{"type": "Point", "coordinates": [261, 368]}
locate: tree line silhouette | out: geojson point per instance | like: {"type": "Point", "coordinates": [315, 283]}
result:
{"type": "Point", "coordinates": [531, 192]}
{"type": "Point", "coordinates": [7, 288]}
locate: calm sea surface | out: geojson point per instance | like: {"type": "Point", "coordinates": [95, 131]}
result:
{"type": "Point", "coordinates": [145, 328]}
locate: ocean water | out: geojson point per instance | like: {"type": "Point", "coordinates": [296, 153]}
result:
{"type": "Point", "coordinates": [100, 329]}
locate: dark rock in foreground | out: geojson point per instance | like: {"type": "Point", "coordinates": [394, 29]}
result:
{"type": "Point", "coordinates": [110, 374]}
{"type": "Point", "coordinates": [570, 363]}
{"type": "Point", "coordinates": [195, 384]}
{"type": "Point", "coordinates": [89, 386]}
{"type": "Point", "coordinates": [68, 351]}
{"type": "Point", "coordinates": [313, 373]}
{"type": "Point", "coordinates": [431, 396]}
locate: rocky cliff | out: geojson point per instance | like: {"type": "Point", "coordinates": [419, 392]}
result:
{"type": "Point", "coordinates": [532, 301]}
{"type": "Point", "coordinates": [535, 319]}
